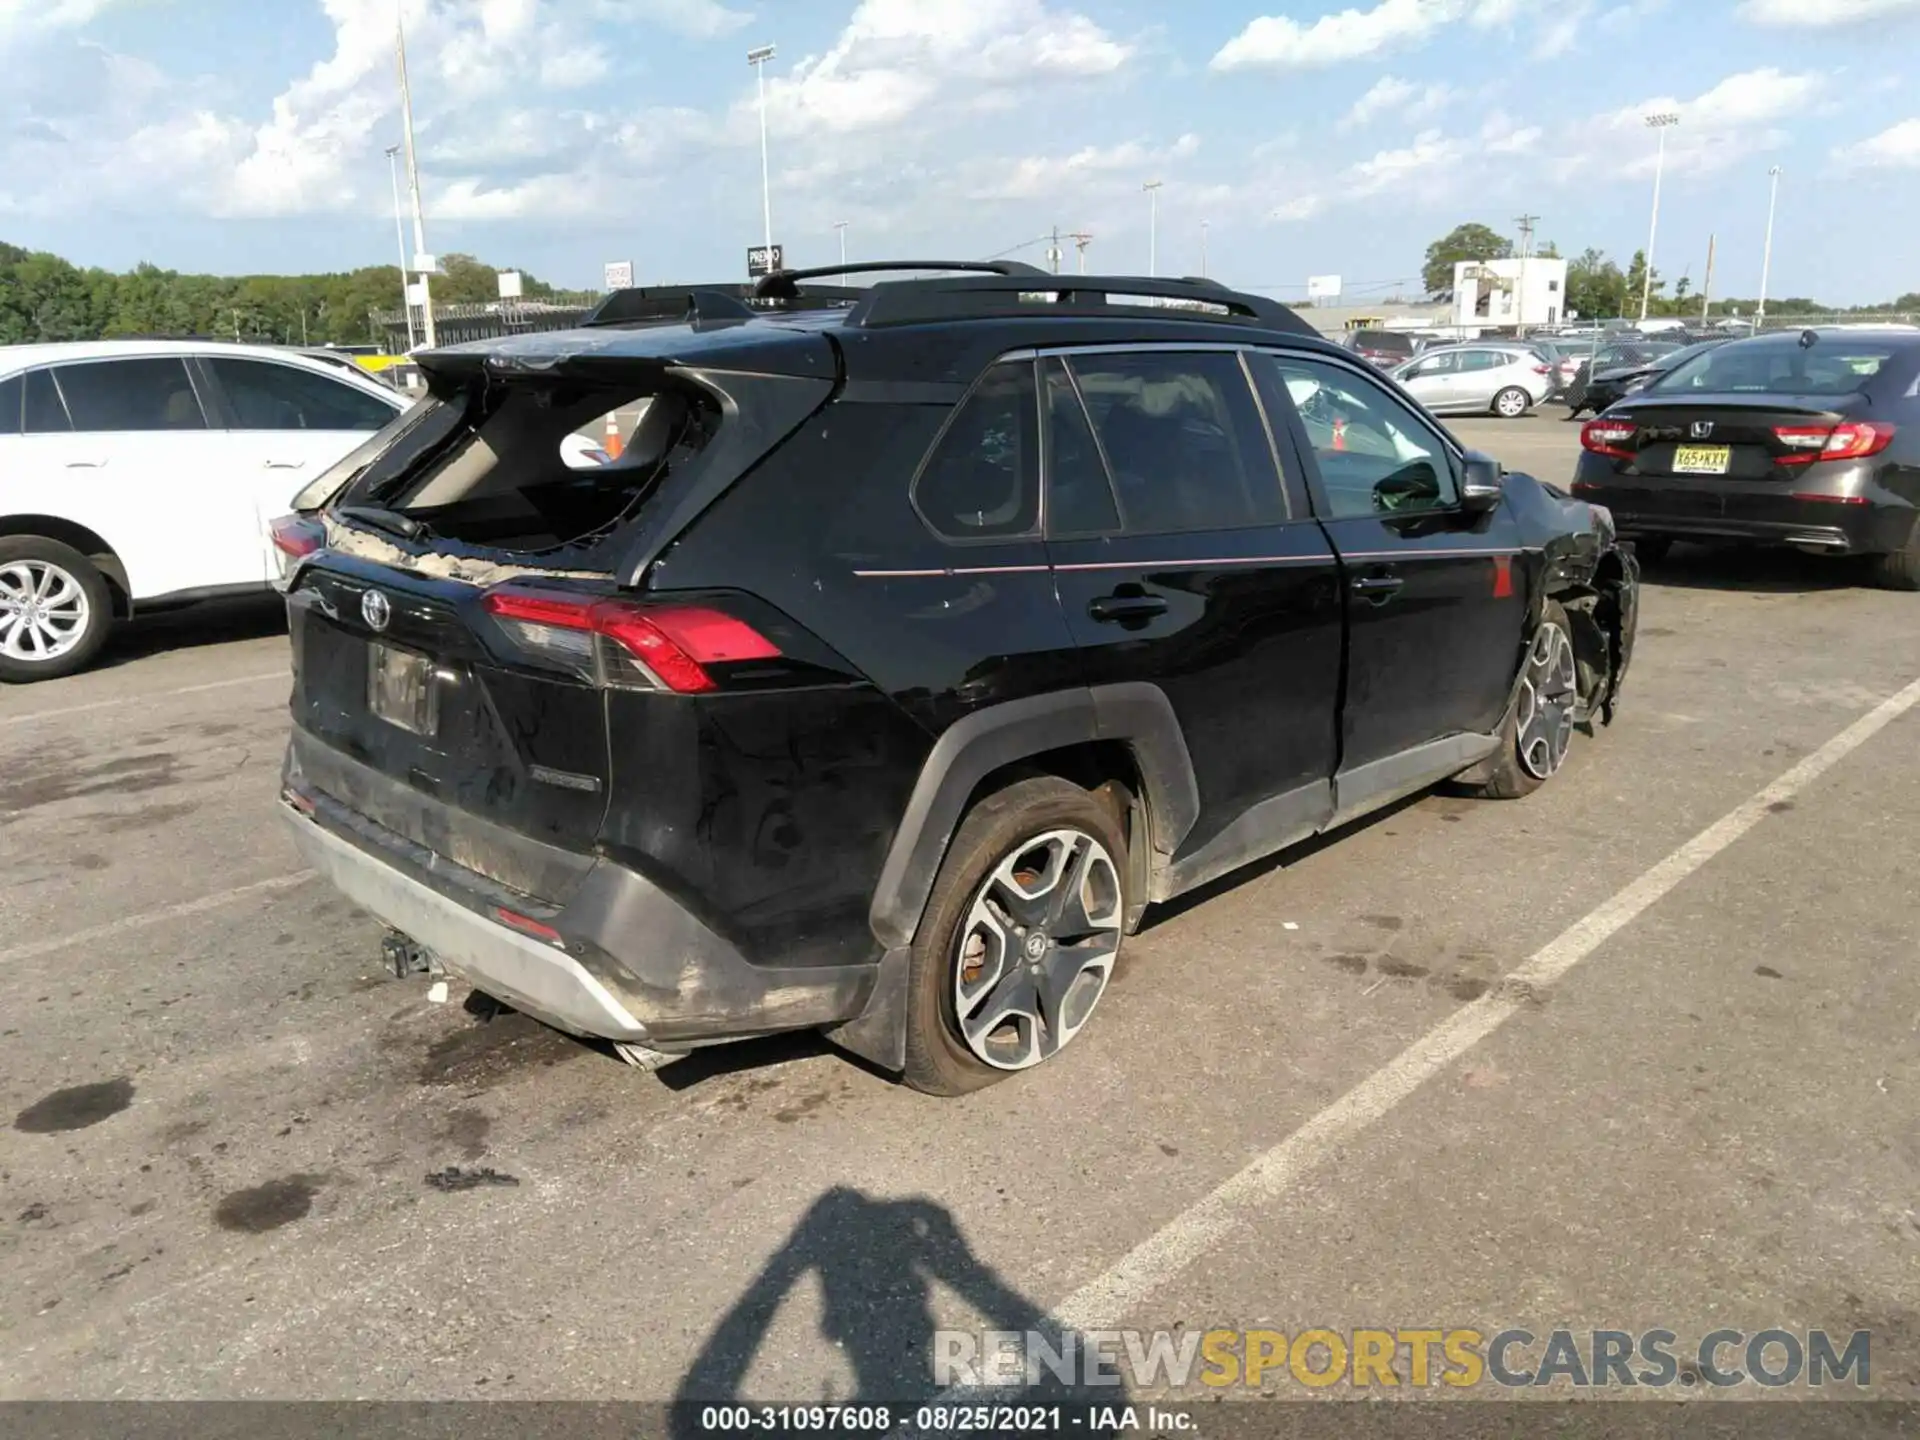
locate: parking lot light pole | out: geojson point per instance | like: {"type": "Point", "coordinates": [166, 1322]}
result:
{"type": "Point", "coordinates": [841, 226]}
{"type": "Point", "coordinates": [1659, 124]}
{"type": "Point", "coordinates": [758, 58]}
{"type": "Point", "coordinates": [1152, 187]}
{"type": "Point", "coordinates": [1766, 252]}
{"type": "Point", "coordinates": [400, 235]}
{"type": "Point", "coordinates": [413, 177]}
{"type": "Point", "coordinates": [1203, 249]}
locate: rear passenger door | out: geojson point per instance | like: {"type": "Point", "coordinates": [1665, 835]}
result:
{"type": "Point", "coordinates": [1436, 610]}
{"type": "Point", "coordinates": [1183, 558]}
{"type": "Point", "coordinates": [283, 425]}
{"type": "Point", "coordinates": [146, 473]}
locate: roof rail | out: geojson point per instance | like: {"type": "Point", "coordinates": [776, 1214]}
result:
{"type": "Point", "coordinates": [782, 284]}
{"type": "Point", "coordinates": [908, 302]}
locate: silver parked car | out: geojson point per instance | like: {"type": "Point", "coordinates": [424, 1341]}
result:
{"type": "Point", "coordinates": [1507, 380]}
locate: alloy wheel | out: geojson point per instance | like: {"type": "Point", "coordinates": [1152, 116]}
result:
{"type": "Point", "coordinates": [43, 611]}
{"type": "Point", "coordinates": [1036, 950]}
{"type": "Point", "coordinates": [1511, 404]}
{"type": "Point", "coordinates": [1548, 694]}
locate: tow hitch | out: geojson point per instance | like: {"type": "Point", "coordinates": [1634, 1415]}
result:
{"type": "Point", "coordinates": [405, 956]}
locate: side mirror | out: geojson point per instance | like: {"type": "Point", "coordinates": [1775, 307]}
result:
{"type": "Point", "coordinates": [1480, 482]}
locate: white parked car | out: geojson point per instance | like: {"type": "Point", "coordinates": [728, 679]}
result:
{"type": "Point", "coordinates": [1506, 380]}
{"type": "Point", "coordinates": [139, 474]}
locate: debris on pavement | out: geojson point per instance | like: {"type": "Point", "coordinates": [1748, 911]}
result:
{"type": "Point", "coordinates": [453, 1178]}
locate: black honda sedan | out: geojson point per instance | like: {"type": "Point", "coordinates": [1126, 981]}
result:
{"type": "Point", "coordinates": [1809, 438]}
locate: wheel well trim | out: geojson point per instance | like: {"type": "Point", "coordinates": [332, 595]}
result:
{"type": "Point", "coordinates": [1137, 715]}
{"type": "Point", "coordinates": [84, 538]}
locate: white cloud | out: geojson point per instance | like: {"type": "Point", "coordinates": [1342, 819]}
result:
{"type": "Point", "coordinates": [1070, 179]}
{"type": "Point", "coordinates": [1823, 14]}
{"type": "Point", "coordinates": [897, 56]}
{"type": "Point", "coordinates": [1281, 42]}
{"type": "Point", "coordinates": [701, 19]}
{"type": "Point", "coordinates": [1895, 148]}
{"type": "Point", "coordinates": [1390, 95]}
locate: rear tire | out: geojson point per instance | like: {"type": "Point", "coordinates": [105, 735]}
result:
{"type": "Point", "coordinates": [1538, 729]}
{"type": "Point", "coordinates": [1899, 570]}
{"type": "Point", "coordinates": [55, 609]}
{"type": "Point", "coordinates": [1005, 894]}
{"type": "Point", "coordinates": [1512, 402]}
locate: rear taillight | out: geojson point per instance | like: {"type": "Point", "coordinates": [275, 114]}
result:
{"type": "Point", "coordinates": [1609, 437]}
{"type": "Point", "coordinates": [616, 642]}
{"type": "Point", "coordinates": [1543, 369]}
{"type": "Point", "coordinates": [295, 537]}
{"type": "Point", "coordinates": [1853, 440]}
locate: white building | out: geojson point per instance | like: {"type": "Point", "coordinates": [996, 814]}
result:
{"type": "Point", "coordinates": [1494, 293]}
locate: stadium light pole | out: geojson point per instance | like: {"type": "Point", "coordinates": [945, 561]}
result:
{"type": "Point", "coordinates": [400, 237]}
{"type": "Point", "coordinates": [1766, 252]}
{"type": "Point", "coordinates": [758, 58]}
{"type": "Point", "coordinates": [413, 176]}
{"type": "Point", "coordinates": [1660, 124]}
{"type": "Point", "coordinates": [841, 226]}
{"type": "Point", "coordinates": [1203, 249]}
{"type": "Point", "coordinates": [1152, 187]}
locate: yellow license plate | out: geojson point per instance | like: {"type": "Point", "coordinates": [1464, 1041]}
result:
{"type": "Point", "coordinates": [1702, 459]}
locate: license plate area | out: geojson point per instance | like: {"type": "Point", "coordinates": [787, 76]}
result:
{"type": "Point", "coordinates": [402, 689]}
{"type": "Point", "coordinates": [1702, 459]}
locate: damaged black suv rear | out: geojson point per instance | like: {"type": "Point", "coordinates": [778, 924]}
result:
{"type": "Point", "coordinates": [918, 638]}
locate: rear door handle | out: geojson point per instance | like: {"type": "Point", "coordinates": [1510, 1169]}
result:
{"type": "Point", "coordinates": [85, 464]}
{"type": "Point", "coordinates": [1378, 588]}
{"type": "Point", "coordinates": [286, 464]}
{"type": "Point", "coordinates": [1126, 607]}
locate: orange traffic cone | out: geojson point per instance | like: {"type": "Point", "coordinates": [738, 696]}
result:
{"type": "Point", "coordinates": [1339, 433]}
{"type": "Point", "coordinates": [612, 443]}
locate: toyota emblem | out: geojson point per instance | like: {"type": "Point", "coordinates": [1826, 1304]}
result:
{"type": "Point", "coordinates": [375, 610]}
{"type": "Point", "coordinates": [1700, 429]}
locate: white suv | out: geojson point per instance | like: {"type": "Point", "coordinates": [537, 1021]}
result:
{"type": "Point", "coordinates": [138, 474]}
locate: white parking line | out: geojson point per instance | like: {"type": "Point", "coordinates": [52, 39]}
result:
{"type": "Point", "coordinates": [146, 698]}
{"type": "Point", "coordinates": [1111, 1296]}
{"type": "Point", "coordinates": [153, 917]}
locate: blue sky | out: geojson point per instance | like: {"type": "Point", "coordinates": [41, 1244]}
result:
{"type": "Point", "coordinates": [1304, 136]}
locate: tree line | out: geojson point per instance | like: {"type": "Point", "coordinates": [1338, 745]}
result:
{"type": "Point", "coordinates": [1597, 288]}
{"type": "Point", "coordinates": [45, 298]}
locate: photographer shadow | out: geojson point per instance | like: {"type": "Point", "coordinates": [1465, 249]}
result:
{"type": "Point", "coordinates": [877, 1262]}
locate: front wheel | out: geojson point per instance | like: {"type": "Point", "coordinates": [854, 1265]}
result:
{"type": "Point", "coordinates": [55, 609]}
{"type": "Point", "coordinates": [1019, 938]}
{"type": "Point", "coordinates": [1511, 403]}
{"type": "Point", "coordinates": [1538, 729]}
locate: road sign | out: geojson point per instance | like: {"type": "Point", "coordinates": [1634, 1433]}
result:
{"type": "Point", "coordinates": [764, 260]}
{"type": "Point", "coordinates": [619, 275]}
{"type": "Point", "coordinates": [1323, 287]}
{"type": "Point", "coordinates": [509, 284]}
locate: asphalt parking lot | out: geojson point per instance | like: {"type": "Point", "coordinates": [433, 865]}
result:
{"type": "Point", "coordinates": [1602, 1057]}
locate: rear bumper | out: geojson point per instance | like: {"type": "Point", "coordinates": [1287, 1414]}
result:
{"type": "Point", "coordinates": [1754, 511]}
{"type": "Point", "coordinates": [627, 962]}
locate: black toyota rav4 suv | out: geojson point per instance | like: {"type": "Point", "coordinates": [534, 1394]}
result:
{"type": "Point", "coordinates": [921, 636]}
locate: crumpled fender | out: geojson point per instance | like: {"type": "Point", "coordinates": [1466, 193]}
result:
{"type": "Point", "coordinates": [1594, 576]}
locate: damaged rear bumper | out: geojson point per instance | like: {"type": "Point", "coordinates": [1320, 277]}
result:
{"type": "Point", "coordinates": [620, 960]}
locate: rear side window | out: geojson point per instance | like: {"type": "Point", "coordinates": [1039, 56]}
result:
{"type": "Point", "coordinates": [1184, 439]}
{"type": "Point", "coordinates": [1823, 368]}
{"type": "Point", "coordinates": [45, 413]}
{"type": "Point", "coordinates": [265, 396]}
{"type": "Point", "coordinates": [145, 394]}
{"type": "Point", "coordinates": [10, 392]}
{"type": "Point", "coordinates": [982, 479]}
